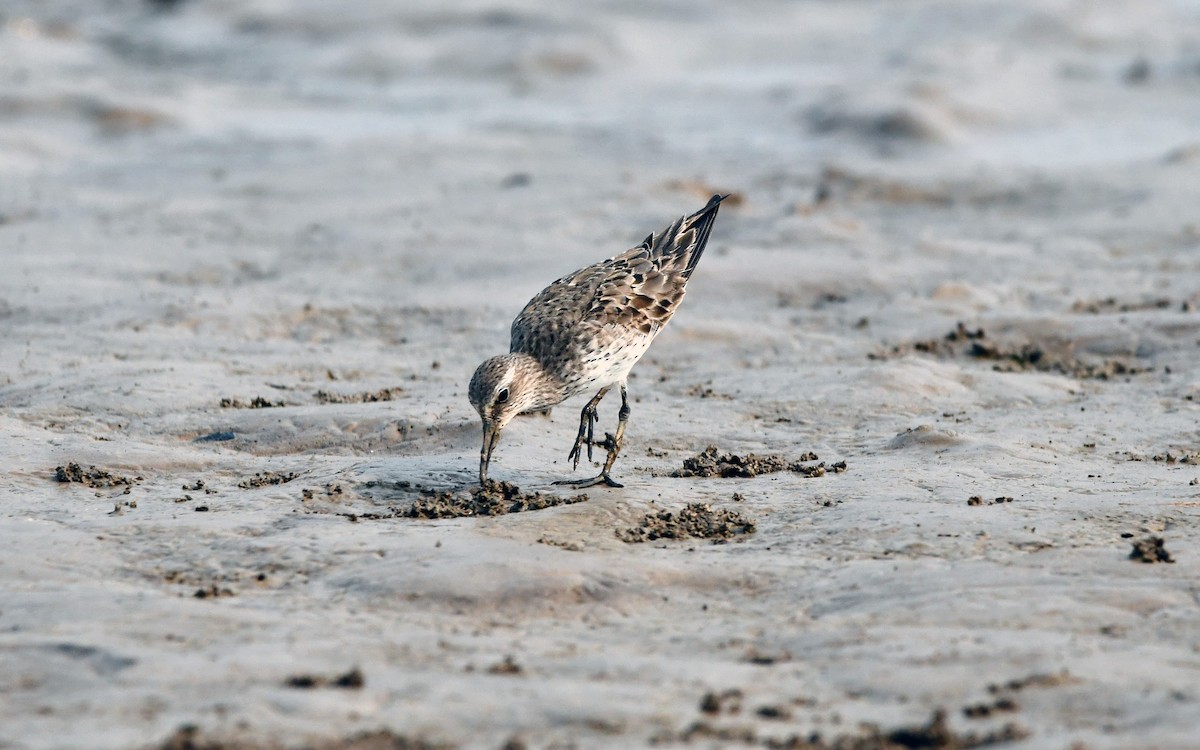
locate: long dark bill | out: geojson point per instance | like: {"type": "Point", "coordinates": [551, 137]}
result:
{"type": "Point", "coordinates": [491, 436]}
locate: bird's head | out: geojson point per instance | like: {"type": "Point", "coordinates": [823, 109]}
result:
{"type": "Point", "coordinates": [501, 388]}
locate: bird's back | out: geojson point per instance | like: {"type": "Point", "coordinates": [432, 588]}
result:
{"type": "Point", "coordinates": [616, 305]}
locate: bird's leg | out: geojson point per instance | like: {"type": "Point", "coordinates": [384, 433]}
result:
{"type": "Point", "coordinates": [587, 424]}
{"type": "Point", "coordinates": [612, 443]}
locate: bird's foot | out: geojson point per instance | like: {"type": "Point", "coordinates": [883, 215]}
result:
{"type": "Point", "coordinates": [609, 444]}
{"type": "Point", "coordinates": [577, 450]}
{"type": "Point", "coordinates": [587, 426]}
{"type": "Point", "coordinates": [601, 478]}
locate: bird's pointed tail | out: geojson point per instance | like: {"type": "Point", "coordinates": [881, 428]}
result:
{"type": "Point", "coordinates": [682, 243]}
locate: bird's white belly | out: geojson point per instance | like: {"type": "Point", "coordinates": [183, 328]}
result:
{"type": "Point", "coordinates": [611, 363]}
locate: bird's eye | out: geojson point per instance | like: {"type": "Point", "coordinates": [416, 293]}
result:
{"type": "Point", "coordinates": [502, 396]}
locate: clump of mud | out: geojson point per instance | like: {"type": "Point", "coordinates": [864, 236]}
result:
{"type": "Point", "coordinates": [258, 402]}
{"type": "Point", "coordinates": [936, 734]}
{"type": "Point", "coordinates": [697, 520]}
{"type": "Point", "coordinates": [92, 477]}
{"type": "Point", "coordinates": [1056, 357]}
{"type": "Point", "coordinates": [266, 478]}
{"type": "Point", "coordinates": [321, 397]}
{"type": "Point", "coordinates": [352, 680]}
{"type": "Point", "coordinates": [332, 492]}
{"type": "Point", "coordinates": [711, 463]}
{"type": "Point", "coordinates": [491, 499]}
{"type": "Point", "coordinates": [1150, 550]}
{"type": "Point", "coordinates": [978, 500]}
{"type": "Point", "coordinates": [190, 737]}
{"type": "Point", "coordinates": [1113, 305]}
{"type": "Point", "coordinates": [213, 591]}
{"type": "Point", "coordinates": [727, 701]}
{"type": "Point", "coordinates": [198, 486]}
{"type": "Point", "coordinates": [818, 470]}
{"type": "Point", "coordinates": [385, 394]}
{"type": "Point", "coordinates": [1167, 457]}
{"type": "Point", "coordinates": [988, 709]}
{"type": "Point", "coordinates": [1036, 680]}
{"type": "Point", "coordinates": [507, 667]}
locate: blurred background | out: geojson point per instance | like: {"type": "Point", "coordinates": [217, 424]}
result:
{"type": "Point", "coordinates": [574, 105]}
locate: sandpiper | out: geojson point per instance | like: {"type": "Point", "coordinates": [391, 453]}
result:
{"type": "Point", "coordinates": [587, 330]}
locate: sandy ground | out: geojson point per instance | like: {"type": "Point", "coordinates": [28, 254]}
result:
{"type": "Point", "coordinates": [306, 204]}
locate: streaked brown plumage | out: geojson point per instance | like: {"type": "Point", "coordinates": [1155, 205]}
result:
{"type": "Point", "coordinates": [587, 330]}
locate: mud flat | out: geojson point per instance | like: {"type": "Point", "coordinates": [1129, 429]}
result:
{"type": "Point", "coordinates": [253, 251]}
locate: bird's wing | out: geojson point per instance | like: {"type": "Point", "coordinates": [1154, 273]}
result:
{"type": "Point", "coordinates": [637, 290]}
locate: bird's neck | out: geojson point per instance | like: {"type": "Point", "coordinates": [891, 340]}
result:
{"type": "Point", "coordinates": [541, 388]}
